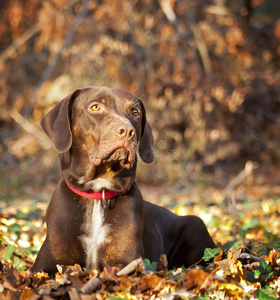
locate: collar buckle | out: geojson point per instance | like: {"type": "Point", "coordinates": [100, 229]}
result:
{"type": "Point", "coordinates": [107, 202]}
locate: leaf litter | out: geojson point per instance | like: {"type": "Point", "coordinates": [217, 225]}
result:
{"type": "Point", "coordinates": [245, 264]}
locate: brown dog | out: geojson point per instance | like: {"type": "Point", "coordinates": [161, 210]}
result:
{"type": "Point", "coordinates": [97, 216]}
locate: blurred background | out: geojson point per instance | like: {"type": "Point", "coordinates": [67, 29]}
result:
{"type": "Point", "coordinates": [208, 72]}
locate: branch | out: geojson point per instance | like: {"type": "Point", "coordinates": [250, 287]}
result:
{"type": "Point", "coordinates": [131, 267]}
{"type": "Point", "coordinates": [91, 285]}
{"type": "Point", "coordinates": [248, 169]}
{"type": "Point", "coordinates": [27, 126]}
{"type": "Point", "coordinates": [217, 10]}
{"type": "Point", "coordinates": [168, 11]}
{"type": "Point", "coordinates": [201, 46]}
{"type": "Point", "coordinates": [67, 40]}
{"type": "Point", "coordinates": [10, 50]}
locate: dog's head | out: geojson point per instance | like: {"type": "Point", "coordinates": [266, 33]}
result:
{"type": "Point", "coordinates": [97, 130]}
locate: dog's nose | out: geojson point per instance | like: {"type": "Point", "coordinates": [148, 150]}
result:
{"type": "Point", "coordinates": [126, 132]}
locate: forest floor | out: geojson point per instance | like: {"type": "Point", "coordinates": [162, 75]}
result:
{"type": "Point", "coordinates": [243, 220]}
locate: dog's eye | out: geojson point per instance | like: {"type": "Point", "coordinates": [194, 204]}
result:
{"type": "Point", "coordinates": [136, 112]}
{"type": "Point", "coordinates": [95, 107]}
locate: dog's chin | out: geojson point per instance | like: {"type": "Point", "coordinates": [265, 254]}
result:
{"type": "Point", "coordinates": [107, 170]}
{"type": "Point", "coordinates": [117, 159]}
{"type": "Point", "coordinates": [121, 158]}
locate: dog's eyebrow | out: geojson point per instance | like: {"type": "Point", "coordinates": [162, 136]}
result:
{"type": "Point", "coordinates": [136, 101]}
{"type": "Point", "coordinates": [101, 97]}
{"type": "Point", "coordinates": [102, 94]}
{"type": "Point", "coordinates": [133, 103]}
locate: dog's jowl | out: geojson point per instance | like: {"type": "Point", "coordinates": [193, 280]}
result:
{"type": "Point", "coordinates": [97, 216]}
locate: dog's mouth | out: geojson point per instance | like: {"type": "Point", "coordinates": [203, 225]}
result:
{"type": "Point", "coordinates": [125, 155]}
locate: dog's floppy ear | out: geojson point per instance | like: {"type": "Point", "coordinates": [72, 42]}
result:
{"type": "Point", "coordinates": [146, 141]}
{"type": "Point", "coordinates": [56, 125]}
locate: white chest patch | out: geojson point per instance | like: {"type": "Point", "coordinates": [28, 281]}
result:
{"type": "Point", "coordinates": [98, 184]}
{"type": "Point", "coordinates": [96, 232]}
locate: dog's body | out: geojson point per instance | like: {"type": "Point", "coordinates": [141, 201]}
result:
{"type": "Point", "coordinates": [96, 131]}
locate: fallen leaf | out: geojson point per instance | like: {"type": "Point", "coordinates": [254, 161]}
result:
{"type": "Point", "coordinates": [150, 282]}
{"type": "Point", "coordinates": [192, 279]}
{"type": "Point", "coordinates": [273, 257]}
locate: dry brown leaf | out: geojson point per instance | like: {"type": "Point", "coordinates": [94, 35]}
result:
{"type": "Point", "coordinates": [162, 266]}
{"type": "Point", "coordinates": [76, 281]}
{"type": "Point", "coordinates": [193, 278]}
{"type": "Point", "coordinates": [219, 256]}
{"type": "Point", "coordinates": [28, 294]}
{"type": "Point", "coordinates": [235, 266]}
{"type": "Point", "coordinates": [39, 278]}
{"type": "Point", "coordinates": [73, 294]}
{"type": "Point", "coordinates": [273, 258]}
{"type": "Point", "coordinates": [150, 282]}
{"type": "Point", "coordinates": [110, 273]}
{"type": "Point", "coordinates": [126, 285]}
{"type": "Point", "coordinates": [46, 287]}
{"type": "Point", "coordinates": [7, 285]}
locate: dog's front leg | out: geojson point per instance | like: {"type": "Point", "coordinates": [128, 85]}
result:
{"type": "Point", "coordinates": [122, 247]}
{"type": "Point", "coordinates": [124, 240]}
{"type": "Point", "coordinates": [63, 251]}
{"type": "Point", "coordinates": [45, 261]}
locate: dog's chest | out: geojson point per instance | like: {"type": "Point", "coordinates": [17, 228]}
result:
{"type": "Point", "coordinates": [95, 233]}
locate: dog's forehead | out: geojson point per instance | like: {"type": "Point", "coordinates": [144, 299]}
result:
{"type": "Point", "coordinates": [119, 96]}
{"type": "Point", "coordinates": [122, 94]}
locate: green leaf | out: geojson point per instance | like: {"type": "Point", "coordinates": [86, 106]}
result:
{"type": "Point", "coordinates": [228, 245]}
{"type": "Point", "coordinates": [15, 228]}
{"type": "Point", "coordinates": [172, 276]}
{"type": "Point", "coordinates": [19, 264]}
{"type": "Point", "coordinates": [257, 274]}
{"type": "Point", "coordinates": [149, 266]}
{"type": "Point", "coordinates": [27, 251]}
{"type": "Point", "coordinates": [9, 251]}
{"type": "Point", "coordinates": [264, 271]}
{"type": "Point", "coordinates": [178, 276]}
{"type": "Point", "coordinates": [267, 275]}
{"type": "Point", "coordinates": [250, 276]}
{"type": "Point", "coordinates": [20, 215]}
{"type": "Point", "coordinates": [264, 266]}
{"type": "Point", "coordinates": [265, 295]}
{"type": "Point", "coordinates": [210, 253]}
{"type": "Point", "coordinates": [29, 224]}
{"type": "Point", "coordinates": [205, 297]}
{"type": "Point", "coordinates": [184, 269]}
{"type": "Point", "coordinates": [250, 224]}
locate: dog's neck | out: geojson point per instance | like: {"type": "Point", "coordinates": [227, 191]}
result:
{"type": "Point", "coordinates": [102, 195]}
{"type": "Point", "coordinates": [94, 179]}
{"type": "Point", "coordinates": [105, 195]}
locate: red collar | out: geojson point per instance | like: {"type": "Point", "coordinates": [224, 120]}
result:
{"type": "Point", "coordinates": [104, 194]}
